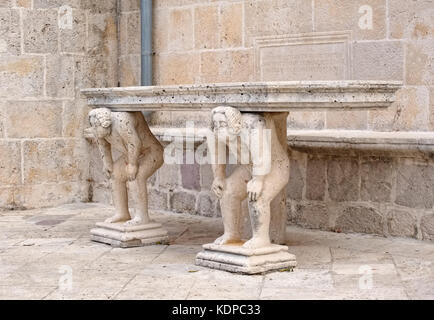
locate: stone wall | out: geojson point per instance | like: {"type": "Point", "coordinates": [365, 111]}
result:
{"type": "Point", "coordinates": [49, 50]}
{"type": "Point", "coordinates": [199, 41]}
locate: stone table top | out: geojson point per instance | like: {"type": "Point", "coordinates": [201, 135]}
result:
{"type": "Point", "coordinates": [249, 96]}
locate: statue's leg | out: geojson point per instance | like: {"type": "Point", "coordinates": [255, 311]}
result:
{"type": "Point", "coordinates": [234, 193]}
{"type": "Point", "coordinates": [148, 164]}
{"type": "Point", "coordinates": [119, 192]}
{"type": "Point", "coordinates": [259, 210]}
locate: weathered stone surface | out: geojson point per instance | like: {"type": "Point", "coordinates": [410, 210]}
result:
{"type": "Point", "coordinates": [23, 3]}
{"type": "Point", "coordinates": [231, 26]}
{"type": "Point", "coordinates": [409, 112]}
{"type": "Point", "coordinates": [157, 199]}
{"type": "Point", "coordinates": [360, 219]}
{"type": "Point", "coordinates": [2, 121]}
{"type": "Point", "coordinates": [160, 35]}
{"type": "Point", "coordinates": [312, 215]}
{"type": "Point", "coordinates": [74, 39]}
{"type": "Point", "coordinates": [183, 202]}
{"type": "Point", "coordinates": [40, 31]}
{"type": "Point", "coordinates": [402, 223]}
{"type": "Point", "coordinates": [10, 165]}
{"type": "Point", "coordinates": [10, 35]}
{"type": "Point", "coordinates": [39, 119]}
{"type": "Point", "coordinates": [415, 185]}
{"type": "Point", "coordinates": [345, 15]}
{"type": "Point", "coordinates": [102, 38]}
{"type": "Point", "coordinates": [206, 204]}
{"type": "Point", "coordinates": [49, 4]}
{"type": "Point", "coordinates": [6, 4]}
{"type": "Point", "coordinates": [277, 17]}
{"type": "Point", "coordinates": [226, 66]}
{"type": "Point", "coordinates": [206, 176]}
{"type": "Point", "coordinates": [343, 179]}
{"type": "Point", "coordinates": [376, 176]}
{"type": "Point", "coordinates": [206, 25]}
{"type": "Point", "coordinates": [296, 179]}
{"type": "Point", "coordinates": [411, 19]}
{"type": "Point", "coordinates": [177, 68]}
{"type": "Point", "coordinates": [427, 227]}
{"type": "Point", "coordinates": [60, 76]}
{"type": "Point", "coordinates": [130, 5]}
{"type": "Point", "coordinates": [190, 176]}
{"type": "Point", "coordinates": [129, 73]}
{"type": "Point", "coordinates": [168, 176]}
{"type": "Point", "coordinates": [23, 74]}
{"type": "Point", "coordinates": [53, 161]}
{"type": "Point", "coordinates": [350, 120]}
{"type": "Point", "coordinates": [133, 40]}
{"type": "Point", "coordinates": [419, 63]}
{"type": "Point", "coordinates": [181, 30]}
{"type": "Point", "coordinates": [74, 117]}
{"type": "Point", "coordinates": [306, 120]}
{"type": "Point", "coordinates": [7, 197]}
{"type": "Point", "coordinates": [99, 6]}
{"type": "Point", "coordinates": [316, 178]}
{"type": "Point", "coordinates": [431, 108]}
{"type": "Point", "coordinates": [378, 60]}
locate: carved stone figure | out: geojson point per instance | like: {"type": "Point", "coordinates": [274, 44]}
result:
{"type": "Point", "coordinates": [260, 180]}
{"type": "Point", "coordinates": [253, 140]}
{"type": "Point", "coordinates": [141, 155]}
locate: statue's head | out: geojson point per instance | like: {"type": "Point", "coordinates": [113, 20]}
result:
{"type": "Point", "coordinates": [101, 121]}
{"type": "Point", "coordinates": [226, 122]}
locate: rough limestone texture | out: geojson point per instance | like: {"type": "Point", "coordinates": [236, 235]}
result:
{"type": "Point", "coordinates": [48, 51]}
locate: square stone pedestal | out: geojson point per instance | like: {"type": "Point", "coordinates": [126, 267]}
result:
{"type": "Point", "coordinates": [119, 235]}
{"type": "Point", "coordinates": [235, 258]}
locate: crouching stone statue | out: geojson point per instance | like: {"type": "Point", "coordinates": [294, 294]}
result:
{"type": "Point", "coordinates": [141, 155]}
{"type": "Point", "coordinates": [262, 173]}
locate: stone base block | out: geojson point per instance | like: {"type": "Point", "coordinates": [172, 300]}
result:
{"type": "Point", "coordinates": [119, 235]}
{"type": "Point", "coordinates": [235, 258]}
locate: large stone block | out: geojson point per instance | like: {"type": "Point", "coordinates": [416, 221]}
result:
{"type": "Point", "coordinates": [96, 71]}
{"type": "Point", "coordinates": [23, 75]}
{"type": "Point", "coordinates": [411, 19]}
{"type": "Point", "coordinates": [74, 117]}
{"type": "Point", "coordinates": [227, 66]}
{"type": "Point", "coordinates": [419, 66]}
{"type": "Point", "coordinates": [41, 31]}
{"type": "Point", "coordinates": [427, 227]}
{"type": "Point", "coordinates": [231, 24]}
{"type": "Point", "coordinates": [275, 17]}
{"type": "Point", "coordinates": [130, 71]}
{"type": "Point", "coordinates": [130, 5]}
{"type": "Point", "coordinates": [175, 3]}
{"type": "Point", "coordinates": [408, 112]}
{"type": "Point", "coordinates": [133, 36]}
{"type": "Point", "coordinates": [206, 204]}
{"type": "Point", "coordinates": [376, 176]}
{"type": "Point", "coordinates": [402, 223]}
{"type": "Point", "coordinates": [181, 28]}
{"type": "Point", "coordinates": [184, 202]}
{"type": "Point", "coordinates": [343, 179]}
{"type": "Point", "coordinates": [168, 176]}
{"type": "Point", "coordinates": [316, 178]}
{"type": "Point", "coordinates": [73, 40]}
{"type": "Point", "coordinates": [48, 161]}
{"type": "Point", "coordinates": [100, 6]}
{"type": "Point", "coordinates": [360, 219]}
{"type": "Point", "coordinates": [206, 25]}
{"type": "Point", "coordinates": [378, 60]}
{"type": "Point", "coordinates": [160, 30]}
{"type": "Point", "coordinates": [102, 37]}
{"type": "Point", "coordinates": [23, 3]}
{"type": "Point", "coordinates": [10, 35]}
{"type": "Point", "coordinates": [177, 69]}
{"type": "Point", "coordinates": [190, 176]}
{"type": "Point", "coordinates": [296, 179]}
{"type": "Point", "coordinates": [206, 176]}
{"type": "Point", "coordinates": [415, 185]}
{"type": "Point", "coordinates": [60, 76]}
{"type": "Point", "coordinates": [10, 162]}
{"type": "Point", "coordinates": [35, 119]}
{"type": "Point", "coordinates": [350, 120]}
{"type": "Point", "coordinates": [157, 199]}
{"type": "Point", "coordinates": [6, 3]}
{"type": "Point", "coordinates": [306, 120]}
{"type": "Point", "coordinates": [351, 15]}
{"type": "Point", "coordinates": [7, 200]}
{"type": "Point", "coordinates": [50, 4]}
{"type": "Point", "coordinates": [312, 215]}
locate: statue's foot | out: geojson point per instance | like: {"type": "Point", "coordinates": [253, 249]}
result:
{"type": "Point", "coordinates": [227, 239]}
{"type": "Point", "coordinates": [116, 218]}
{"type": "Point", "coordinates": [136, 222]}
{"type": "Point", "coordinates": [256, 243]}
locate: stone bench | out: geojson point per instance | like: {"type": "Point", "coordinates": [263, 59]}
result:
{"type": "Point", "coordinates": [252, 106]}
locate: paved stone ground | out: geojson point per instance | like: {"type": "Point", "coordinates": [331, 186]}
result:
{"type": "Point", "coordinates": [38, 248]}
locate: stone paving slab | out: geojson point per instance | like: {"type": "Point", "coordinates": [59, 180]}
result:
{"type": "Point", "coordinates": [47, 254]}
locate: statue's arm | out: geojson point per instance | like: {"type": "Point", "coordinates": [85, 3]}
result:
{"type": "Point", "coordinates": [106, 154]}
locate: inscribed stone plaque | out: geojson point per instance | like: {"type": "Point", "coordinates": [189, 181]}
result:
{"type": "Point", "coordinates": [315, 56]}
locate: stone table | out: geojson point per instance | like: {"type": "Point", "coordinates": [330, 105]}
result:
{"type": "Point", "coordinates": [250, 107]}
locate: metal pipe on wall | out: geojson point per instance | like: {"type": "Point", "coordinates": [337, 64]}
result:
{"type": "Point", "coordinates": [146, 42]}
